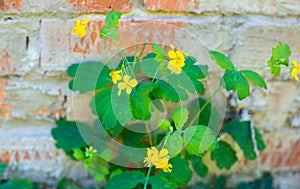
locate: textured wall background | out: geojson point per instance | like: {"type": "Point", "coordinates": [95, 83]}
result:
{"type": "Point", "coordinates": [37, 46]}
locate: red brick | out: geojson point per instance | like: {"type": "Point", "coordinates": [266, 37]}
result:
{"type": "Point", "coordinates": [102, 5]}
{"type": "Point", "coordinates": [6, 5]}
{"type": "Point", "coordinates": [175, 5]}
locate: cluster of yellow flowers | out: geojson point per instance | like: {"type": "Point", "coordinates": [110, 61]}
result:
{"type": "Point", "coordinates": [126, 83]}
{"type": "Point", "coordinates": [177, 60]}
{"type": "Point", "coordinates": [159, 159]}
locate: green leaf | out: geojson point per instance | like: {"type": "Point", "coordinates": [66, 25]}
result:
{"type": "Point", "coordinates": [102, 107]}
{"type": "Point", "coordinates": [112, 19]}
{"type": "Point", "coordinates": [78, 154]}
{"type": "Point", "coordinates": [107, 32]}
{"type": "Point", "coordinates": [160, 182]}
{"type": "Point", "coordinates": [266, 182]}
{"type": "Point", "coordinates": [160, 52]}
{"type": "Point", "coordinates": [195, 73]}
{"type": "Point", "coordinates": [233, 80]}
{"type": "Point", "coordinates": [125, 180]}
{"type": "Point", "coordinates": [3, 166]}
{"type": "Point", "coordinates": [152, 67]}
{"type": "Point", "coordinates": [67, 135]}
{"type": "Point", "coordinates": [274, 67]}
{"type": "Point", "coordinates": [199, 167]}
{"type": "Point", "coordinates": [241, 133]}
{"type": "Point", "coordinates": [220, 182]}
{"type": "Point", "coordinates": [222, 60]}
{"type": "Point", "coordinates": [199, 139]}
{"type": "Point", "coordinates": [165, 91]}
{"type": "Point", "coordinates": [181, 173]}
{"type": "Point", "coordinates": [140, 101]}
{"type": "Point", "coordinates": [224, 156]}
{"type": "Point", "coordinates": [164, 125]}
{"type": "Point", "coordinates": [280, 56]}
{"type": "Point", "coordinates": [132, 138]}
{"type": "Point", "coordinates": [88, 76]}
{"type": "Point", "coordinates": [17, 183]}
{"type": "Point", "coordinates": [96, 167]}
{"type": "Point", "coordinates": [254, 77]}
{"type": "Point", "coordinates": [180, 117]}
{"type": "Point", "coordinates": [174, 144]}
{"type": "Point", "coordinates": [66, 184]}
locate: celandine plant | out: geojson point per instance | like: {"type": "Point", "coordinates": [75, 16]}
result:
{"type": "Point", "coordinates": [131, 145]}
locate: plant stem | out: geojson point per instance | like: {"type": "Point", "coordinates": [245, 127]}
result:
{"type": "Point", "coordinates": [260, 67]}
{"type": "Point", "coordinates": [204, 105]}
{"type": "Point", "coordinates": [148, 133]}
{"type": "Point", "coordinates": [147, 177]}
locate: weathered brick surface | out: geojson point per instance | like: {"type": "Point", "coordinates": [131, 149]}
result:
{"type": "Point", "coordinates": [258, 36]}
{"type": "Point", "coordinates": [269, 7]}
{"type": "Point", "coordinates": [37, 158]}
{"type": "Point", "coordinates": [102, 5]}
{"type": "Point", "coordinates": [58, 43]}
{"type": "Point", "coordinates": [37, 46]}
{"type": "Point", "coordinates": [281, 154]}
{"type": "Point", "coordinates": [19, 46]}
{"type": "Point", "coordinates": [6, 5]}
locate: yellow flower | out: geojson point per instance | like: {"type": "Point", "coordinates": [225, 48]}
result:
{"type": "Point", "coordinates": [177, 60]}
{"type": "Point", "coordinates": [80, 28]}
{"type": "Point", "coordinates": [295, 70]}
{"type": "Point", "coordinates": [115, 75]}
{"type": "Point", "coordinates": [159, 159]}
{"type": "Point", "coordinates": [127, 84]}
{"type": "Point", "coordinates": [165, 166]}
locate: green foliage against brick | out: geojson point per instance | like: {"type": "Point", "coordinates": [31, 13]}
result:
{"type": "Point", "coordinates": [280, 56]}
{"type": "Point", "coordinates": [199, 139]}
{"type": "Point", "coordinates": [241, 133]}
{"type": "Point", "coordinates": [224, 156]}
{"type": "Point", "coordinates": [156, 103]}
{"type": "Point", "coordinates": [88, 76]}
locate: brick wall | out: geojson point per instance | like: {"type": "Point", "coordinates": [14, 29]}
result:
{"type": "Point", "coordinates": [37, 46]}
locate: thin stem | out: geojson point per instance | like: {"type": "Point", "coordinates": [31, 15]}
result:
{"type": "Point", "coordinates": [260, 67]}
{"type": "Point", "coordinates": [204, 105]}
{"type": "Point", "coordinates": [147, 177]}
{"type": "Point", "coordinates": [148, 133]}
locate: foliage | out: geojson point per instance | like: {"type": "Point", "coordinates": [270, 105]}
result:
{"type": "Point", "coordinates": [160, 82]}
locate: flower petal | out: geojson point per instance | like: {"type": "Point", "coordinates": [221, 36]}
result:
{"type": "Point", "coordinates": [122, 85]}
{"type": "Point", "coordinates": [128, 89]}
{"type": "Point", "coordinates": [132, 83]}
{"type": "Point", "coordinates": [126, 78]}
{"type": "Point", "coordinates": [163, 152]}
{"type": "Point", "coordinates": [85, 21]}
{"type": "Point", "coordinates": [172, 54]}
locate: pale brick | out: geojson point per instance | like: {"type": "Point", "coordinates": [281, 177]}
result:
{"type": "Point", "coordinates": [58, 43]}
{"type": "Point", "coordinates": [19, 46]}
{"type": "Point", "coordinates": [281, 154]}
{"type": "Point", "coordinates": [258, 36]}
{"type": "Point", "coordinates": [31, 153]}
{"type": "Point", "coordinates": [227, 7]}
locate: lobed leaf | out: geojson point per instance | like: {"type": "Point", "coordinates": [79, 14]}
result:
{"type": "Point", "coordinates": [88, 76]}
{"type": "Point", "coordinates": [221, 60]}
{"type": "Point", "coordinates": [180, 117]}
{"type": "Point", "coordinates": [254, 77]}
{"type": "Point", "coordinates": [224, 156]}
{"type": "Point", "coordinates": [241, 133]}
{"type": "Point", "coordinates": [174, 144]}
{"type": "Point", "coordinates": [199, 139]}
